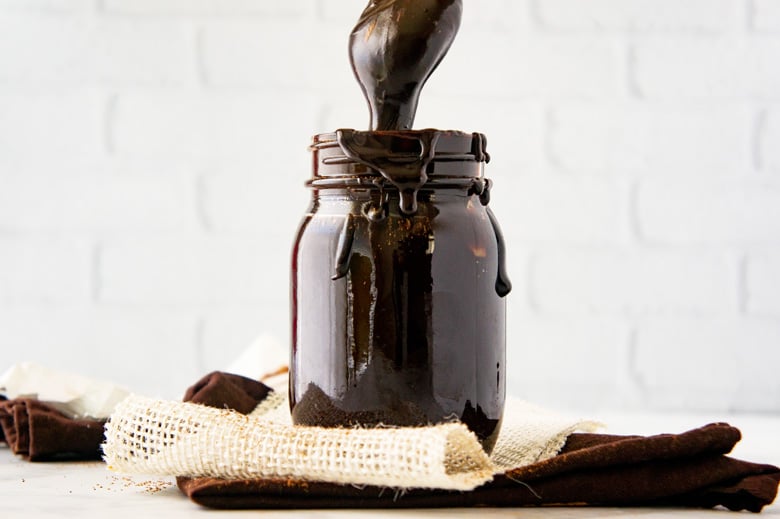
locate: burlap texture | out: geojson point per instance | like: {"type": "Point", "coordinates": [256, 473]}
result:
{"type": "Point", "coordinates": [180, 439]}
{"type": "Point", "coordinates": [171, 438]}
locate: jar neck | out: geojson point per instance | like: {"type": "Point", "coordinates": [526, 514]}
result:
{"type": "Point", "coordinates": [402, 161]}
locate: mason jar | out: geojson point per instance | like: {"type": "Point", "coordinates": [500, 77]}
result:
{"type": "Point", "coordinates": [399, 285]}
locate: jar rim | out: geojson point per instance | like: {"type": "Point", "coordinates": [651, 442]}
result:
{"type": "Point", "coordinates": [451, 145]}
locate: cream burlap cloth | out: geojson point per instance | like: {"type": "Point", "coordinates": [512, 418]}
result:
{"type": "Point", "coordinates": [150, 436]}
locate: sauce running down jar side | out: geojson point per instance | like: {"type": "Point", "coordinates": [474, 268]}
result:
{"type": "Point", "coordinates": [398, 309]}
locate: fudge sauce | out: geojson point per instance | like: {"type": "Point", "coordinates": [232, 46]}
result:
{"type": "Point", "coordinates": [398, 268]}
{"type": "Point", "coordinates": [394, 48]}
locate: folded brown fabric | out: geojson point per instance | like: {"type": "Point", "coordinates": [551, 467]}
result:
{"type": "Point", "coordinates": [224, 390]}
{"type": "Point", "coordinates": [688, 469]}
{"type": "Point", "coordinates": [39, 432]}
{"type": "Point", "coordinates": [2, 434]}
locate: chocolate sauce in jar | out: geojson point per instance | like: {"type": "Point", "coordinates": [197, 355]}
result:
{"type": "Point", "coordinates": [398, 270]}
{"type": "Point", "coordinates": [398, 318]}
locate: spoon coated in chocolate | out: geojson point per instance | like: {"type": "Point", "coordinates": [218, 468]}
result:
{"type": "Point", "coordinates": [394, 48]}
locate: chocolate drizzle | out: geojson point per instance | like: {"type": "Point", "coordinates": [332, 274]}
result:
{"type": "Point", "coordinates": [404, 167]}
{"type": "Point", "coordinates": [403, 160]}
{"type": "Point", "coordinates": [503, 285]}
{"type": "Point", "coordinates": [394, 48]}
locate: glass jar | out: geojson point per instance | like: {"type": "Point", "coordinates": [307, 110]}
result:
{"type": "Point", "coordinates": [398, 285]}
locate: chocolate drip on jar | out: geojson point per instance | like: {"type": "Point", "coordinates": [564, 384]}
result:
{"type": "Point", "coordinates": [404, 167]}
{"type": "Point", "coordinates": [403, 159]}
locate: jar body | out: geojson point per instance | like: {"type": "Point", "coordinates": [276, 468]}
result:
{"type": "Point", "coordinates": [413, 332]}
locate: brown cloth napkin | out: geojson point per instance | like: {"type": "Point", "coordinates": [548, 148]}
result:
{"type": "Point", "coordinates": [224, 390]}
{"type": "Point", "coordinates": [688, 469]}
{"type": "Point", "coordinates": [39, 432]}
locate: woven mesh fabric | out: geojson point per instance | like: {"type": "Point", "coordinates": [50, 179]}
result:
{"type": "Point", "coordinates": [530, 434]}
{"type": "Point", "coordinates": [273, 409]}
{"type": "Point", "coordinates": [171, 438]}
{"type": "Point", "coordinates": [150, 436]}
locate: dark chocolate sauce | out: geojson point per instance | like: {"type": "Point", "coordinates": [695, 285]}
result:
{"type": "Point", "coordinates": [413, 332]}
{"type": "Point", "coordinates": [394, 48]}
{"type": "Point", "coordinates": [399, 268]}
{"type": "Point", "coordinates": [402, 159]}
{"type": "Point", "coordinates": [404, 167]}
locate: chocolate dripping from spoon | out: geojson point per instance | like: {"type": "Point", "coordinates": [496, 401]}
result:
{"type": "Point", "coordinates": [394, 48]}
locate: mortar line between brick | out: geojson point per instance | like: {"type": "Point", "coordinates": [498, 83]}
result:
{"type": "Point", "coordinates": [199, 346]}
{"type": "Point", "coordinates": [634, 226]}
{"type": "Point", "coordinates": [108, 123]}
{"type": "Point", "coordinates": [95, 278]}
{"type": "Point", "coordinates": [535, 14]}
{"type": "Point", "coordinates": [548, 131]}
{"type": "Point", "coordinates": [201, 210]}
{"type": "Point", "coordinates": [750, 16]}
{"type": "Point", "coordinates": [530, 295]}
{"type": "Point", "coordinates": [631, 358]}
{"type": "Point", "coordinates": [201, 73]}
{"type": "Point", "coordinates": [757, 131]}
{"type": "Point", "coordinates": [319, 11]}
{"type": "Point", "coordinates": [323, 112]}
{"type": "Point", "coordinates": [743, 294]}
{"type": "Point", "coordinates": [632, 84]}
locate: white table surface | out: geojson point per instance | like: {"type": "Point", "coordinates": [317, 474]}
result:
{"type": "Point", "coordinates": [88, 490]}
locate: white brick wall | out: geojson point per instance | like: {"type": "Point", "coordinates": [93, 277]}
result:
{"type": "Point", "coordinates": [629, 283]}
{"type": "Point", "coordinates": [101, 202]}
{"type": "Point", "coordinates": [150, 350]}
{"type": "Point", "coordinates": [636, 152]}
{"type": "Point", "coordinates": [226, 8]}
{"type": "Point", "coordinates": [227, 332]}
{"type": "Point", "coordinates": [740, 212]}
{"type": "Point", "coordinates": [61, 123]}
{"type": "Point", "coordinates": [724, 67]}
{"type": "Point", "coordinates": [45, 271]}
{"type": "Point", "coordinates": [198, 271]}
{"type": "Point", "coordinates": [710, 364]}
{"type": "Point", "coordinates": [658, 139]}
{"type": "Point", "coordinates": [47, 5]}
{"type": "Point", "coordinates": [76, 49]}
{"type": "Point", "coordinates": [237, 201]}
{"type": "Point", "coordinates": [766, 15]}
{"type": "Point", "coordinates": [551, 352]}
{"type": "Point", "coordinates": [595, 209]}
{"type": "Point", "coordinates": [541, 65]}
{"type": "Point", "coordinates": [247, 54]}
{"type": "Point", "coordinates": [643, 15]}
{"type": "Point", "coordinates": [769, 149]}
{"type": "Point", "coordinates": [215, 128]}
{"type": "Point", "coordinates": [763, 284]}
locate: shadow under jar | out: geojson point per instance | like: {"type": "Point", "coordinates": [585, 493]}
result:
{"type": "Point", "coordinates": [398, 309]}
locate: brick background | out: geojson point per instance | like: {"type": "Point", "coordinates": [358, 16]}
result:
{"type": "Point", "coordinates": [636, 153]}
{"type": "Point", "coordinates": [768, 150]}
{"type": "Point", "coordinates": [644, 15]}
{"type": "Point", "coordinates": [766, 15]}
{"type": "Point", "coordinates": [763, 285]}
